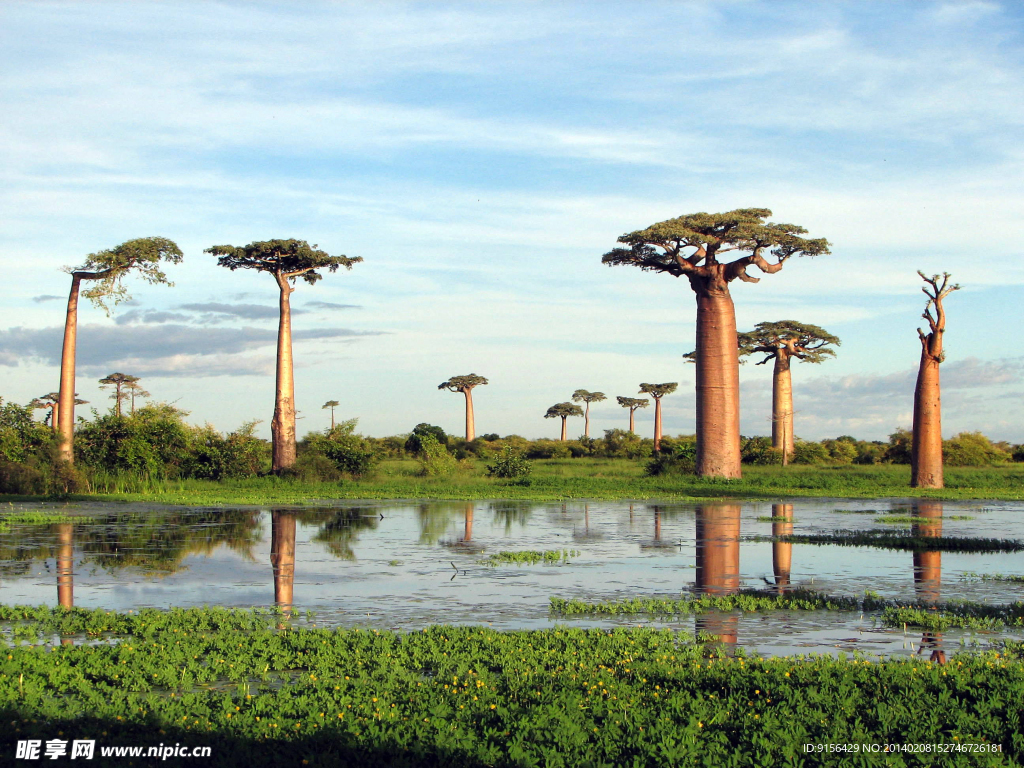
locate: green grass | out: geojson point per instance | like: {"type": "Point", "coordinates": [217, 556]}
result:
{"type": "Point", "coordinates": [1011, 579]}
{"type": "Point", "coordinates": [532, 557]}
{"type": "Point", "coordinates": [901, 541]}
{"type": "Point", "coordinates": [470, 696]}
{"type": "Point", "coordinates": [38, 517]}
{"type": "Point", "coordinates": [609, 479]}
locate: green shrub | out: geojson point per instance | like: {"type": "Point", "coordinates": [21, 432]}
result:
{"type": "Point", "coordinates": [898, 450]}
{"type": "Point", "coordinates": [759, 450]}
{"type": "Point", "coordinates": [971, 449]}
{"type": "Point", "coordinates": [414, 443]}
{"type": "Point", "coordinates": [350, 453]}
{"type": "Point", "coordinates": [548, 449]}
{"type": "Point", "coordinates": [623, 444]}
{"type": "Point", "coordinates": [808, 452]}
{"type": "Point", "coordinates": [840, 450]}
{"type": "Point", "coordinates": [682, 461]}
{"type": "Point", "coordinates": [435, 461]}
{"type": "Point", "coordinates": [510, 465]}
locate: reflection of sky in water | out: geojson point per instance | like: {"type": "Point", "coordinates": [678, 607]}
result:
{"type": "Point", "coordinates": [359, 569]}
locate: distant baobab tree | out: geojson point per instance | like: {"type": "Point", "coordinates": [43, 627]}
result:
{"type": "Point", "coordinates": [632, 403]}
{"type": "Point", "coordinates": [563, 411]}
{"type": "Point", "coordinates": [661, 248]}
{"type": "Point", "coordinates": [926, 450]}
{"type": "Point", "coordinates": [332, 404]}
{"type": "Point", "coordinates": [49, 403]}
{"type": "Point", "coordinates": [286, 260]}
{"type": "Point", "coordinates": [108, 268]}
{"type": "Point", "coordinates": [120, 382]}
{"type": "Point", "coordinates": [658, 391]}
{"type": "Point", "coordinates": [135, 390]}
{"type": "Point", "coordinates": [465, 385]}
{"type": "Point", "coordinates": [582, 396]}
{"type": "Point", "coordinates": [783, 341]}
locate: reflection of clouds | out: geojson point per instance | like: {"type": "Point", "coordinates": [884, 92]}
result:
{"type": "Point", "coordinates": [168, 349]}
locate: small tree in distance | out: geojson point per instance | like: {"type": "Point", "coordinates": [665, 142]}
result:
{"type": "Point", "coordinates": [332, 404]}
{"type": "Point", "coordinates": [465, 385]}
{"type": "Point", "coordinates": [286, 261]}
{"type": "Point", "coordinates": [782, 341]}
{"type": "Point", "coordinates": [658, 391]}
{"type": "Point", "coordinates": [119, 381]}
{"type": "Point", "coordinates": [49, 402]}
{"type": "Point", "coordinates": [107, 268]}
{"type": "Point", "coordinates": [563, 411]}
{"type": "Point", "coordinates": [135, 390]}
{"type": "Point", "coordinates": [632, 403]}
{"type": "Point", "coordinates": [582, 396]}
{"type": "Point", "coordinates": [926, 449]}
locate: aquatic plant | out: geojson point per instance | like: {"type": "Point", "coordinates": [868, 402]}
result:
{"type": "Point", "coordinates": [532, 557]}
{"type": "Point", "coordinates": [900, 540]}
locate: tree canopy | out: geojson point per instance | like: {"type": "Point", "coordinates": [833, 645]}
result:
{"type": "Point", "coordinates": [803, 341]}
{"type": "Point", "coordinates": [108, 268]}
{"type": "Point", "coordinates": [286, 259]}
{"type": "Point", "coordinates": [658, 391]}
{"type": "Point", "coordinates": [583, 396]}
{"type": "Point", "coordinates": [462, 383]}
{"type": "Point", "coordinates": [661, 247]}
{"type": "Point", "coordinates": [632, 402]}
{"type": "Point", "coordinates": [563, 410]}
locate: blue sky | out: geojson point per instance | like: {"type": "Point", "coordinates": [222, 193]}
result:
{"type": "Point", "coordinates": [481, 157]}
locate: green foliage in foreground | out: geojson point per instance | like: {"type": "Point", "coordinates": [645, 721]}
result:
{"type": "Point", "coordinates": [468, 696]}
{"type": "Point", "coordinates": [532, 557]}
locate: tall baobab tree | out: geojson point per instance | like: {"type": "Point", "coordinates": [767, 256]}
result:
{"type": "Point", "coordinates": [332, 404]}
{"type": "Point", "coordinates": [563, 411]}
{"type": "Point", "coordinates": [134, 389]}
{"type": "Point", "coordinates": [632, 403]}
{"type": "Point", "coordinates": [120, 382]}
{"type": "Point", "coordinates": [926, 450]}
{"type": "Point", "coordinates": [108, 268]}
{"type": "Point", "coordinates": [465, 385]}
{"type": "Point", "coordinates": [286, 260]}
{"type": "Point", "coordinates": [582, 396]}
{"type": "Point", "coordinates": [784, 341]}
{"type": "Point", "coordinates": [663, 247]}
{"type": "Point", "coordinates": [658, 391]}
{"type": "Point", "coordinates": [49, 402]}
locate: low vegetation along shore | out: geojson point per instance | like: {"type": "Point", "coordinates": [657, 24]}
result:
{"type": "Point", "coordinates": [262, 693]}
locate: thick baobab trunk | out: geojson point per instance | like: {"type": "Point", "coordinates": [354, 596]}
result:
{"type": "Point", "coordinates": [718, 564]}
{"type": "Point", "coordinates": [282, 428]}
{"type": "Point", "coordinates": [563, 428]}
{"type": "Point", "coordinates": [782, 551]}
{"type": "Point", "coordinates": [282, 557]}
{"type": "Point", "coordinates": [586, 420]}
{"type": "Point", "coordinates": [718, 385]}
{"type": "Point", "coordinates": [926, 451]}
{"type": "Point", "coordinates": [65, 566]}
{"type": "Point", "coordinates": [632, 420]}
{"type": "Point", "coordinates": [470, 421]}
{"type": "Point", "coordinates": [657, 424]}
{"type": "Point", "coordinates": [65, 411]}
{"type": "Point", "coordinates": [782, 406]}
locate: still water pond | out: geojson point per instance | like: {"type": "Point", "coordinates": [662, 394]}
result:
{"type": "Point", "coordinates": [404, 565]}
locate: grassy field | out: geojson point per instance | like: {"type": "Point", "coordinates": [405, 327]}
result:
{"type": "Point", "coordinates": [262, 694]}
{"type": "Point", "coordinates": [598, 479]}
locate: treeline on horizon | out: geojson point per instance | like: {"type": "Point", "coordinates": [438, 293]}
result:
{"type": "Point", "coordinates": [156, 442]}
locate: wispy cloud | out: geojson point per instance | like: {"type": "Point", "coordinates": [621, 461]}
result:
{"type": "Point", "coordinates": [45, 297]}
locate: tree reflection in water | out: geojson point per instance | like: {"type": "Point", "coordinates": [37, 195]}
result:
{"type": "Point", "coordinates": [339, 527]}
{"type": "Point", "coordinates": [718, 565]}
{"type": "Point", "coordinates": [928, 571]}
{"type": "Point", "coordinates": [282, 557]}
{"type": "Point", "coordinates": [782, 551]}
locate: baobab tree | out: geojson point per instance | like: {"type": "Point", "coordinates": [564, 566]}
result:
{"type": "Point", "coordinates": [286, 260]}
{"type": "Point", "coordinates": [465, 385]}
{"type": "Point", "coordinates": [658, 391]}
{"type": "Point", "coordinates": [563, 411]}
{"type": "Point", "coordinates": [119, 381]}
{"type": "Point", "coordinates": [108, 268]}
{"type": "Point", "coordinates": [632, 403]}
{"type": "Point", "coordinates": [663, 247]}
{"type": "Point", "coordinates": [784, 341]}
{"type": "Point", "coordinates": [135, 390]}
{"type": "Point", "coordinates": [332, 404]}
{"type": "Point", "coordinates": [926, 449]}
{"type": "Point", "coordinates": [49, 402]}
{"type": "Point", "coordinates": [582, 396]}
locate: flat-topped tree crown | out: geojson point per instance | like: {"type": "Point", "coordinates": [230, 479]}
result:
{"type": "Point", "coordinates": [583, 396]}
{"type": "Point", "coordinates": [658, 391]}
{"type": "Point", "coordinates": [803, 341]}
{"type": "Point", "coordinates": [632, 403]}
{"type": "Point", "coordinates": [286, 259]}
{"type": "Point", "coordinates": [105, 270]}
{"type": "Point", "coordinates": [563, 411]}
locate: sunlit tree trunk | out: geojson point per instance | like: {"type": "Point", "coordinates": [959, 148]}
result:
{"type": "Point", "coordinates": [632, 420]}
{"type": "Point", "coordinates": [282, 557]}
{"type": "Point", "coordinates": [586, 419]}
{"type": "Point", "coordinates": [65, 412]}
{"type": "Point", "coordinates": [470, 420]}
{"type": "Point", "coordinates": [782, 406]}
{"type": "Point", "coordinates": [563, 437]}
{"type": "Point", "coordinates": [718, 385]}
{"type": "Point", "coordinates": [657, 424]}
{"type": "Point", "coordinates": [718, 563]}
{"type": "Point", "coordinates": [782, 551]}
{"type": "Point", "coordinates": [926, 451]}
{"type": "Point", "coordinates": [282, 427]}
